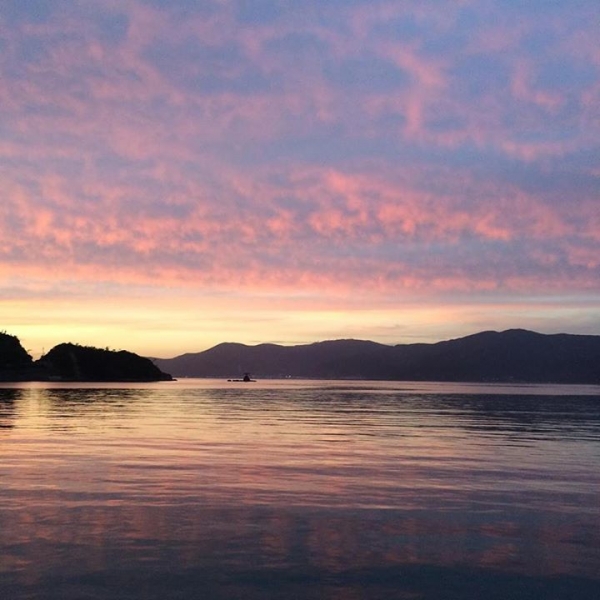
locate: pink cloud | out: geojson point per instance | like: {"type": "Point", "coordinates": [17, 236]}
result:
{"type": "Point", "coordinates": [373, 209]}
{"type": "Point", "coordinates": [116, 171]}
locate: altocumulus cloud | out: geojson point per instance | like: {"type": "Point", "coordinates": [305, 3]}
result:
{"type": "Point", "coordinates": [395, 146]}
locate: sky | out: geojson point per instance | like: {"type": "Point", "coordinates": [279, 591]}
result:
{"type": "Point", "coordinates": [176, 174]}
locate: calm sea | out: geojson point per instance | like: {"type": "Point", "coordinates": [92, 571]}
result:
{"type": "Point", "coordinates": [299, 489]}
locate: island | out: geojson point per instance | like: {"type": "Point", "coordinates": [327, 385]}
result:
{"type": "Point", "coordinates": [76, 363]}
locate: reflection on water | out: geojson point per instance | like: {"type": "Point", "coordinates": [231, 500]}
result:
{"type": "Point", "coordinates": [299, 490]}
{"type": "Point", "coordinates": [8, 399]}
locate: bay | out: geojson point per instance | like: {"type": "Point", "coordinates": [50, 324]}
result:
{"type": "Point", "coordinates": [299, 489]}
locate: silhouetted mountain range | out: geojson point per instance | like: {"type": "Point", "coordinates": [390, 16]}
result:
{"type": "Point", "coordinates": [72, 362]}
{"type": "Point", "coordinates": [515, 355]}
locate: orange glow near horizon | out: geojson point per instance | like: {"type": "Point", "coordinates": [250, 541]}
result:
{"type": "Point", "coordinates": [165, 328]}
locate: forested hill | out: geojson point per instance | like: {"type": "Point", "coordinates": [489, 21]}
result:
{"type": "Point", "coordinates": [15, 362]}
{"type": "Point", "coordinates": [511, 356]}
{"type": "Point", "coordinates": [72, 362]}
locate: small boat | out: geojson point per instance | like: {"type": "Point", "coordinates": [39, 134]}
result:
{"type": "Point", "coordinates": [246, 379]}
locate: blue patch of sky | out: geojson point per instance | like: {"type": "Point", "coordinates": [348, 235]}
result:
{"type": "Point", "coordinates": [30, 50]}
{"type": "Point", "coordinates": [161, 207]}
{"type": "Point", "coordinates": [332, 147]}
{"type": "Point", "coordinates": [114, 166]}
{"type": "Point", "coordinates": [390, 124]}
{"type": "Point", "coordinates": [259, 11]}
{"type": "Point", "coordinates": [250, 81]}
{"type": "Point", "coordinates": [549, 184]}
{"type": "Point", "coordinates": [328, 146]}
{"type": "Point", "coordinates": [478, 256]}
{"type": "Point", "coordinates": [446, 124]}
{"type": "Point", "coordinates": [539, 42]}
{"type": "Point", "coordinates": [531, 122]}
{"type": "Point", "coordinates": [564, 74]}
{"type": "Point", "coordinates": [112, 27]}
{"type": "Point", "coordinates": [330, 12]}
{"type": "Point", "coordinates": [367, 74]}
{"type": "Point", "coordinates": [398, 29]}
{"type": "Point", "coordinates": [448, 42]}
{"type": "Point", "coordinates": [34, 51]}
{"type": "Point", "coordinates": [337, 4]}
{"type": "Point", "coordinates": [168, 57]}
{"type": "Point", "coordinates": [31, 167]}
{"type": "Point", "coordinates": [186, 8]}
{"type": "Point", "coordinates": [199, 67]}
{"type": "Point", "coordinates": [418, 250]}
{"type": "Point", "coordinates": [28, 11]}
{"type": "Point", "coordinates": [93, 252]}
{"type": "Point", "coordinates": [545, 7]}
{"type": "Point", "coordinates": [42, 108]}
{"type": "Point", "coordinates": [539, 135]}
{"type": "Point", "coordinates": [296, 45]}
{"type": "Point", "coordinates": [301, 207]}
{"type": "Point", "coordinates": [561, 181]}
{"type": "Point", "coordinates": [469, 18]}
{"type": "Point", "coordinates": [524, 258]}
{"type": "Point", "coordinates": [583, 160]}
{"type": "Point", "coordinates": [479, 74]}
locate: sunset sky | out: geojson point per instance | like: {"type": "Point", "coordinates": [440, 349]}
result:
{"type": "Point", "coordinates": [178, 173]}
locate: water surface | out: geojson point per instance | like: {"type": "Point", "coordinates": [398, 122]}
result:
{"type": "Point", "coordinates": [299, 489]}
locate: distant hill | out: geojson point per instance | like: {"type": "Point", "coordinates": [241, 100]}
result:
{"type": "Point", "coordinates": [515, 355]}
{"type": "Point", "coordinates": [271, 360]}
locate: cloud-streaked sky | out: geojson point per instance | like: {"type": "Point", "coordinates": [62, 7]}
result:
{"type": "Point", "coordinates": [178, 173]}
